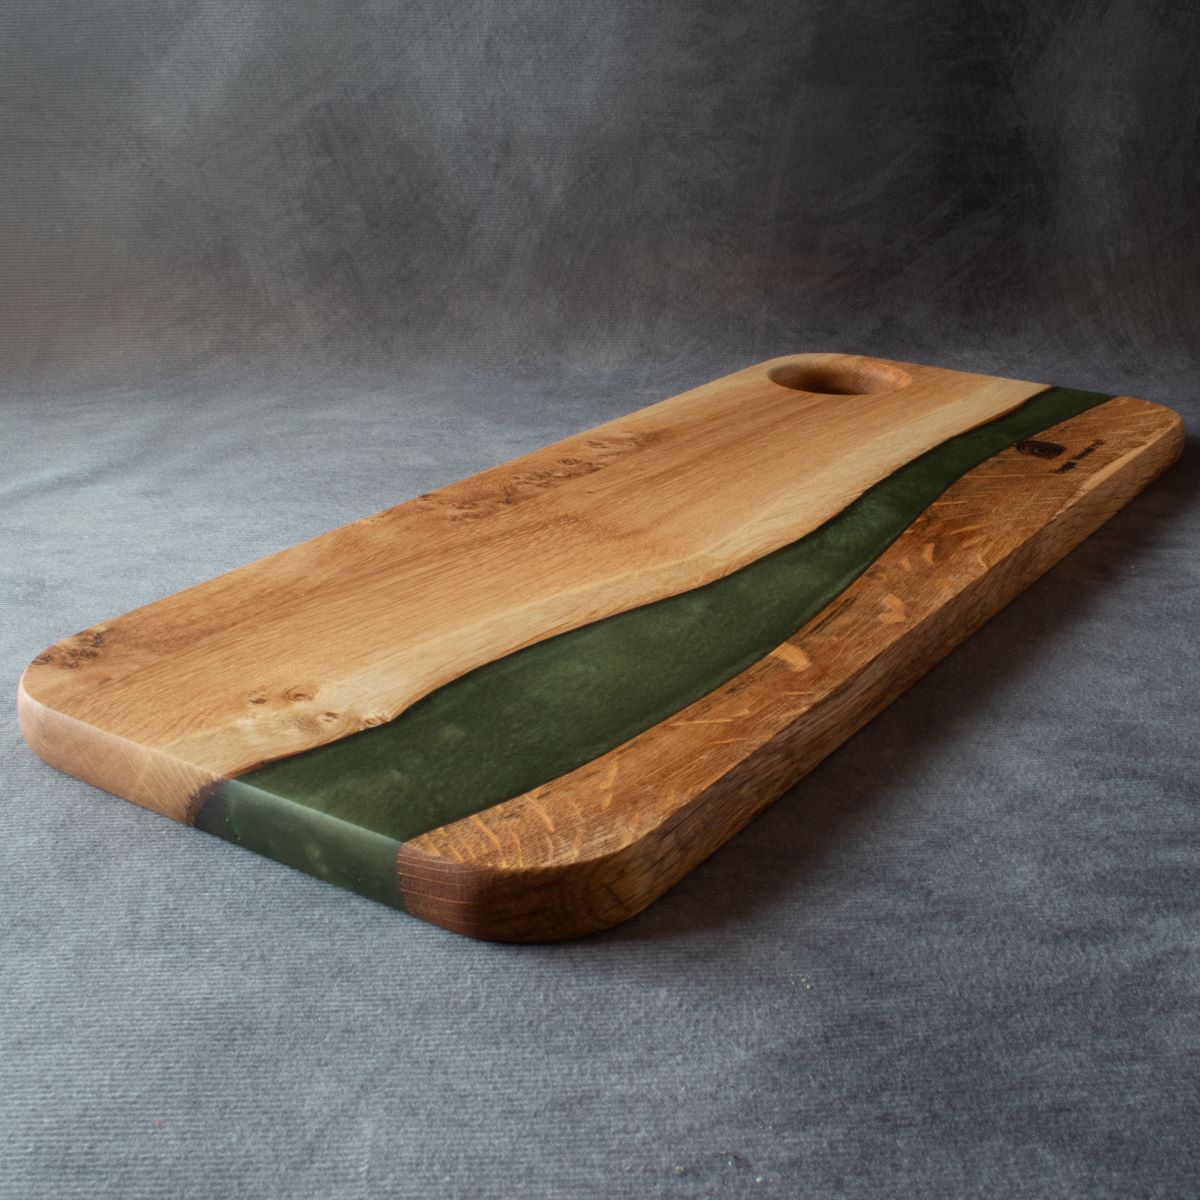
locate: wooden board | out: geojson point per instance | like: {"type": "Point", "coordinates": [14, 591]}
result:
{"type": "Point", "coordinates": [344, 633]}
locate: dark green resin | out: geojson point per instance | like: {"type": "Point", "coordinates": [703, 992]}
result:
{"type": "Point", "coordinates": [340, 811]}
{"type": "Point", "coordinates": [304, 837]}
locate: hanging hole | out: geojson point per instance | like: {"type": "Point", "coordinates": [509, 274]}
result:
{"type": "Point", "coordinates": [838, 375]}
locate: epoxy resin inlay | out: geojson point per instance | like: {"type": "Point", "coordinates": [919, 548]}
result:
{"type": "Point", "coordinates": [340, 811]}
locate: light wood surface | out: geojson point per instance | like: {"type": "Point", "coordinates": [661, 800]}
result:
{"type": "Point", "coordinates": [346, 630]}
{"type": "Point", "coordinates": [594, 847]}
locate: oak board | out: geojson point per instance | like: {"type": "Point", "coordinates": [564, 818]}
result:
{"type": "Point", "coordinates": [295, 659]}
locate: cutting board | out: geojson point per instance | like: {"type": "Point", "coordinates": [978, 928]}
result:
{"type": "Point", "coordinates": [524, 705]}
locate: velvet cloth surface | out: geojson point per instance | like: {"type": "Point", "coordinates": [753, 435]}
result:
{"type": "Point", "coordinates": [266, 268]}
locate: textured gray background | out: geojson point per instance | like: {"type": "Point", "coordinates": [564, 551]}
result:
{"type": "Point", "coordinates": [265, 268]}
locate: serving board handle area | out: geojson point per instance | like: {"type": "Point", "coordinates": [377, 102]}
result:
{"type": "Point", "coordinates": [524, 705]}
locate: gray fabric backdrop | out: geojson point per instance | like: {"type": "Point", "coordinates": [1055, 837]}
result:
{"type": "Point", "coordinates": [265, 268]}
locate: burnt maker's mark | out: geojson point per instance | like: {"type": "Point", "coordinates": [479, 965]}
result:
{"type": "Point", "coordinates": [1076, 459]}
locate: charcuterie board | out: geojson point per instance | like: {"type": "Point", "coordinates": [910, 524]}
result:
{"type": "Point", "coordinates": [525, 704]}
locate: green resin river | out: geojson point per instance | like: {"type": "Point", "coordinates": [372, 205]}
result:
{"type": "Point", "coordinates": [340, 811]}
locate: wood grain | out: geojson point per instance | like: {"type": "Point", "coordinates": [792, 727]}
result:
{"type": "Point", "coordinates": [596, 846]}
{"type": "Point", "coordinates": [348, 629]}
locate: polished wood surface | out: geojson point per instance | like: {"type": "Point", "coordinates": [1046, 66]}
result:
{"type": "Point", "coordinates": [596, 846]}
{"type": "Point", "coordinates": [346, 630]}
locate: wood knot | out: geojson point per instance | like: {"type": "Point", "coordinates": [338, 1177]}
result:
{"type": "Point", "coordinates": [1039, 449]}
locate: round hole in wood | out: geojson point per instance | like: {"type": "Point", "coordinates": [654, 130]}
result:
{"type": "Point", "coordinates": [838, 375]}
